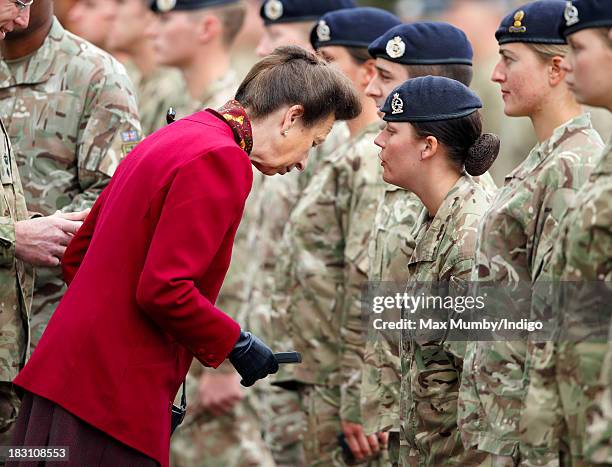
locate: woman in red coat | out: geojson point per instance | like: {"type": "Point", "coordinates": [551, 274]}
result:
{"type": "Point", "coordinates": [146, 267]}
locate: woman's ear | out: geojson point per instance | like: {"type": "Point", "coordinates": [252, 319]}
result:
{"type": "Point", "coordinates": [292, 114]}
{"type": "Point", "coordinates": [430, 147]}
{"type": "Point", "coordinates": [556, 72]}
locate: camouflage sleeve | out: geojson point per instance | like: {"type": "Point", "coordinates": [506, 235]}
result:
{"type": "Point", "coordinates": [109, 129]}
{"type": "Point", "coordinates": [7, 241]}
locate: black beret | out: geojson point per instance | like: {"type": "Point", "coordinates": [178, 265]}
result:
{"type": "Point", "coordinates": [430, 99]}
{"type": "Point", "coordinates": [423, 43]}
{"type": "Point", "coordinates": [293, 11]}
{"type": "Point", "coordinates": [537, 22]}
{"type": "Point", "coordinates": [584, 14]}
{"type": "Point", "coordinates": [352, 27]}
{"type": "Point", "coordinates": [162, 6]}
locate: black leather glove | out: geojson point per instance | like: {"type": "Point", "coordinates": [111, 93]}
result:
{"type": "Point", "coordinates": [252, 359]}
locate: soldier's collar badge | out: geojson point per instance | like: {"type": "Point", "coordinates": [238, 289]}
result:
{"type": "Point", "coordinates": [519, 16]}
{"type": "Point", "coordinates": [323, 32]}
{"type": "Point", "coordinates": [396, 47]}
{"type": "Point", "coordinates": [397, 104]}
{"type": "Point", "coordinates": [571, 14]}
{"type": "Point", "coordinates": [165, 5]}
{"type": "Point", "coordinates": [273, 9]}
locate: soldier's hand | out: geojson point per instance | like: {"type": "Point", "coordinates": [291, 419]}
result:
{"type": "Point", "coordinates": [73, 216]}
{"type": "Point", "coordinates": [42, 241]}
{"type": "Point", "coordinates": [219, 392]}
{"type": "Point", "coordinates": [362, 446]}
{"type": "Point", "coordinates": [252, 359]}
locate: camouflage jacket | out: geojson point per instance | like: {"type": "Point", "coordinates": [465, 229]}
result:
{"type": "Point", "coordinates": [70, 111]}
{"type": "Point", "coordinates": [161, 89]}
{"type": "Point", "coordinates": [391, 244]}
{"type": "Point", "coordinates": [515, 239]}
{"type": "Point", "coordinates": [431, 367]}
{"type": "Point", "coordinates": [16, 278]}
{"type": "Point", "coordinates": [214, 96]}
{"type": "Point", "coordinates": [324, 257]}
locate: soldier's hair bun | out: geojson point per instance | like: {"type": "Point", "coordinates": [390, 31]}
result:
{"type": "Point", "coordinates": [482, 154]}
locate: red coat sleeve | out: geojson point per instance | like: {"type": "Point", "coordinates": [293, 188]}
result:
{"type": "Point", "coordinates": [77, 248]}
{"type": "Point", "coordinates": [203, 202]}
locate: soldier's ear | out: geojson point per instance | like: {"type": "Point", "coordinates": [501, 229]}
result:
{"type": "Point", "coordinates": [209, 28]}
{"type": "Point", "coordinates": [430, 147]}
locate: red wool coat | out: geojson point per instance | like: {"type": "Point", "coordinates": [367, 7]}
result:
{"type": "Point", "coordinates": [144, 273]}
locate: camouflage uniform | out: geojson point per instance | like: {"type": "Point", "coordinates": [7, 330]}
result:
{"type": "Point", "coordinates": [71, 114]}
{"type": "Point", "coordinates": [431, 367]}
{"type": "Point", "coordinates": [16, 287]}
{"type": "Point", "coordinates": [391, 245]}
{"type": "Point", "coordinates": [514, 239]}
{"type": "Point", "coordinates": [317, 302]}
{"type": "Point", "coordinates": [156, 93]}
{"type": "Point", "coordinates": [234, 439]}
{"type": "Point", "coordinates": [567, 373]}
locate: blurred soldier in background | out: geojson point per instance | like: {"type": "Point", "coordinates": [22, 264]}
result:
{"type": "Point", "coordinates": [92, 20]}
{"type": "Point", "coordinates": [61, 9]}
{"type": "Point", "coordinates": [157, 88]}
{"type": "Point", "coordinates": [221, 428]}
{"type": "Point", "coordinates": [70, 111]}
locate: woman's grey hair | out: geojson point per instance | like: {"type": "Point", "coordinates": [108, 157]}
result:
{"type": "Point", "coordinates": [293, 76]}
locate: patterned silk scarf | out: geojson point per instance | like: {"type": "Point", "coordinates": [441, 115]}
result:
{"type": "Point", "coordinates": [235, 116]}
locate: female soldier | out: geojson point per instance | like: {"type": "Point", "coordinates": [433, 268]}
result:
{"type": "Point", "coordinates": [432, 138]}
{"type": "Point", "coordinates": [324, 247]}
{"type": "Point", "coordinates": [516, 233]}
{"type": "Point", "coordinates": [569, 375]}
{"type": "Point", "coordinates": [146, 267]}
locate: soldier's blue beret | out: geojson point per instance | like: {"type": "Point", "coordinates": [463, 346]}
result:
{"type": "Point", "coordinates": [585, 14]}
{"type": "Point", "coordinates": [352, 27]}
{"type": "Point", "coordinates": [537, 22]}
{"type": "Point", "coordinates": [423, 43]}
{"type": "Point", "coordinates": [293, 11]}
{"type": "Point", "coordinates": [430, 99]}
{"type": "Point", "coordinates": [163, 6]}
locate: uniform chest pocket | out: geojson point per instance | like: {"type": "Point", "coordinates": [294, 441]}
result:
{"type": "Point", "coordinates": [49, 125]}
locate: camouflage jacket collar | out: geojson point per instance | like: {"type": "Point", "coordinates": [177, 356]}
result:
{"type": "Point", "coordinates": [37, 67]}
{"type": "Point", "coordinates": [227, 81]}
{"type": "Point", "coordinates": [546, 149]}
{"type": "Point", "coordinates": [432, 231]}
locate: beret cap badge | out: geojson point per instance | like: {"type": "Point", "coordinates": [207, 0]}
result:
{"type": "Point", "coordinates": [519, 16]}
{"type": "Point", "coordinates": [273, 9]}
{"type": "Point", "coordinates": [396, 47]}
{"type": "Point", "coordinates": [571, 14]}
{"type": "Point", "coordinates": [323, 32]}
{"type": "Point", "coordinates": [397, 104]}
{"type": "Point", "coordinates": [165, 5]}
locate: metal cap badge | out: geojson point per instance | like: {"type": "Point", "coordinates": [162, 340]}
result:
{"type": "Point", "coordinates": [323, 31]}
{"type": "Point", "coordinates": [571, 14]}
{"type": "Point", "coordinates": [519, 16]}
{"type": "Point", "coordinates": [165, 5]}
{"type": "Point", "coordinates": [273, 9]}
{"type": "Point", "coordinates": [397, 104]}
{"type": "Point", "coordinates": [396, 47]}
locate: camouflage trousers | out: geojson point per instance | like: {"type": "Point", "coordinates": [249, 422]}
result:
{"type": "Point", "coordinates": [9, 409]}
{"type": "Point", "coordinates": [49, 290]}
{"type": "Point", "coordinates": [231, 440]}
{"type": "Point", "coordinates": [284, 426]}
{"type": "Point", "coordinates": [321, 405]}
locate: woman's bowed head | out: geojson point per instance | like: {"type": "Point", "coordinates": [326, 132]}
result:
{"type": "Point", "coordinates": [292, 99]}
{"type": "Point", "coordinates": [433, 130]}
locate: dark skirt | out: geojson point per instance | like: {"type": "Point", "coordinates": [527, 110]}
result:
{"type": "Point", "coordinates": [44, 423]}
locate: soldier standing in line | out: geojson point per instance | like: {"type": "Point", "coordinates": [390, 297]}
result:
{"type": "Point", "coordinates": [564, 374]}
{"type": "Point", "coordinates": [157, 87]}
{"type": "Point", "coordinates": [324, 260]}
{"type": "Point", "coordinates": [26, 241]}
{"type": "Point", "coordinates": [517, 232]}
{"type": "Point", "coordinates": [432, 145]}
{"type": "Point", "coordinates": [70, 111]}
{"type": "Point", "coordinates": [221, 428]}
{"type": "Point", "coordinates": [405, 52]}
{"type": "Point", "coordinates": [286, 21]}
